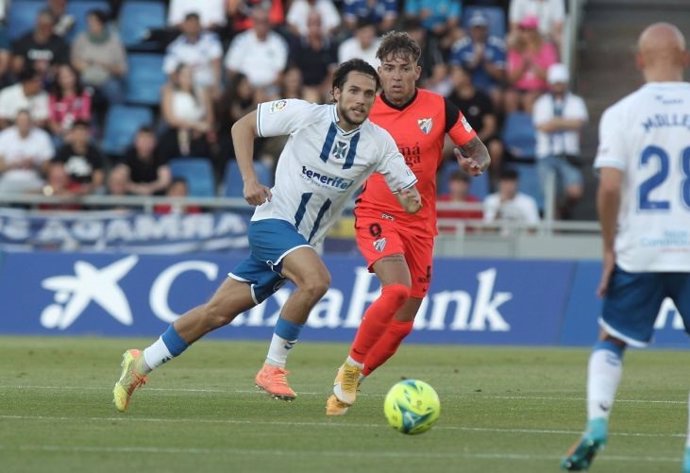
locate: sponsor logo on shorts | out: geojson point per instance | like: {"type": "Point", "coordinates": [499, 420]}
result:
{"type": "Point", "coordinates": [380, 244]}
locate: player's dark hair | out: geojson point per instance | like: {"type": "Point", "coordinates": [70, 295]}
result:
{"type": "Point", "coordinates": [398, 44]}
{"type": "Point", "coordinates": [460, 175]}
{"type": "Point", "coordinates": [354, 65]}
{"type": "Point", "coordinates": [509, 175]}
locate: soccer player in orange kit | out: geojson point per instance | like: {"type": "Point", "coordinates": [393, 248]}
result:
{"type": "Point", "coordinates": [398, 247]}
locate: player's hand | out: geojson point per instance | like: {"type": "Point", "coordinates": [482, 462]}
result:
{"type": "Point", "coordinates": [411, 200]}
{"type": "Point", "coordinates": [608, 264]}
{"type": "Point", "coordinates": [256, 193]}
{"type": "Point", "coordinates": [469, 165]}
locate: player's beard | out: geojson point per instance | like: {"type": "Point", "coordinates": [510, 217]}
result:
{"type": "Point", "coordinates": [347, 116]}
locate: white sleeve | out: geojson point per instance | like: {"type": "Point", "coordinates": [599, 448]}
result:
{"type": "Point", "coordinates": [5, 108]}
{"type": "Point", "coordinates": [46, 146]}
{"type": "Point", "coordinates": [612, 151]}
{"type": "Point", "coordinates": [283, 117]}
{"type": "Point", "coordinates": [175, 12]}
{"type": "Point", "coordinates": [490, 205]}
{"type": "Point", "coordinates": [170, 61]}
{"type": "Point", "coordinates": [531, 210]}
{"type": "Point", "coordinates": [40, 110]}
{"type": "Point", "coordinates": [215, 48]}
{"type": "Point", "coordinates": [579, 109]}
{"type": "Point", "coordinates": [331, 17]}
{"type": "Point", "coordinates": [392, 166]}
{"type": "Point", "coordinates": [543, 110]}
{"type": "Point", "coordinates": [233, 58]}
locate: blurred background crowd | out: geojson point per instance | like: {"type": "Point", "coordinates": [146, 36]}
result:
{"type": "Point", "coordinates": [137, 97]}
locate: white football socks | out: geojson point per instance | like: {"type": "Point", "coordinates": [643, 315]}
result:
{"type": "Point", "coordinates": [155, 355]}
{"type": "Point", "coordinates": [603, 377]}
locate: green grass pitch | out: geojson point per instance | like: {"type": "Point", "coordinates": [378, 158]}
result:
{"type": "Point", "coordinates": [503, 410]}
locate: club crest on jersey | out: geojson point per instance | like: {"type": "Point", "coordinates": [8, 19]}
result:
{"type": "Point", "coordinates": [425, 124]}
{"type": "Point", "coordinates": [339, 150]}
{"type": "Point", "coordinates": [278, 105]}
{"type": "Point", "coordinates": [380, 244]}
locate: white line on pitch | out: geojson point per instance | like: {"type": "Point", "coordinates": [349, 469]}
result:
{"type": "Point", "coordinates": [328, 453]}
{"type": "Point", "coordinates": [334, 423]}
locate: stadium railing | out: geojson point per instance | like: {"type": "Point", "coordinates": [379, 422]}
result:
{"type": "Point", "coordinates": [459, 238]}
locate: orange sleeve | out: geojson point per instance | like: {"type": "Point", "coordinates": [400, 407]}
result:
{"type": "Point", "coordinates": [457, 126]}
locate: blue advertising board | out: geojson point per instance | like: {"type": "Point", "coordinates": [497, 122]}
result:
{"type": "Point", "coordinates": [496, 302]}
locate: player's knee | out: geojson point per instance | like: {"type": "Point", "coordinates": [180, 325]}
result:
{"type": "Point", "coordinates": [397, 294]}
{"type": "Point", "coordinates": [316, 287]}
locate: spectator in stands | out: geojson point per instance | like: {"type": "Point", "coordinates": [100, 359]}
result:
{"type": "Point", "coordinates": [259, 53]}
{"type": "Point", "coordinates": [188, 112]}
{"type": "Point", "coordinates": [380, 13]}
{"type": "Point", "coordinates": [434, 74]}
{"type": "Point", "coordinates": [4, 46]}
{"type": "Point", "coordinates": [143, 171]}
{"type": "Point", "coordinates": [82, 161]}
{"type": "Point", "coordinates": [241, 13]}
{"type": "Point", "coordinates": [292, 86]}
{"type": "Point", "coordinates": [41, 48]}
{"type": "Point", "coordinates": [178, 189]}
{"type": "Point", "coordinates": [211, 13]}
{"type": "Point", "coordinates": [458, 192]}
{"type": "Point", "coordinates": [25, 151]}
{"type": "Point", "coordinates": [509, 205]}
{"type": "Point", "coordinates": [484, 56]}
{"type": "Point", "coordinates": [550, 16]}
{"type": "Point", "coordinates": [64, 22]}
{"type": "Point", "coordinates": [479, 111]}
{"type": "Point", "coordinates": [316, 57]}
{"type": "Point", "coordinates": [363, 45]}
{"type": "Point", "coordinates": [29, 95]}
{"type": "Point", "coordinates": [68, 101]}
{"type": "Point", "coordinates": [237, 101]}
{"type": "Point", "coordinates": [438, 17]}
{"type": "Point", "coordinates": [201, 50]}
{"type": "Point", "coordinates": [559, 116]}
{"type": "Point", "coordinates": [301, 10]}
{"type": "Point", "coordinates": [528, 62]}
{"type": "Point", "coordinates": [99, 56]}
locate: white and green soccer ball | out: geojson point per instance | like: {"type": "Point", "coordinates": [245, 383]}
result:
{"type": "Point", "coordinates": [411, 406]}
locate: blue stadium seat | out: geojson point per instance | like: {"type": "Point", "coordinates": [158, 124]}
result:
{"type": "Point", "coordinates": [494, 15]}
{"type": "Point", "coordinates": [137, 18]}
{"type": "Point", "coordinates": [528, 182]}
{"type": "Point", "coordinates": [198, 173]}
{"type": "Point", "coordinates": [79, 9]}
{"type": "Point", "coordinates": [145, 78]}
{"type": "Point", "coordinates": [479, 186]}
{"type": "Point", "coordinates": [232, 182]}
{"type": "Point", "coordinates": [519, 136]}
{"type": "Point", "coordinates": [21, 17]}
{"type": "Point", "coordinates": [121, 124]}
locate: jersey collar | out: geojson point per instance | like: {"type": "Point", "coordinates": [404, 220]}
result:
{"type": "Point", "coordinates": [336, 119]}
{"type": "Point", "coordinates": [399, 107]}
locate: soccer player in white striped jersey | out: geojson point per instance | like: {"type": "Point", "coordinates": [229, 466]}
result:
{"type": "Point", "coordinates": [644, 210]}
{"type": "Point", "coordinates": [331, 151]}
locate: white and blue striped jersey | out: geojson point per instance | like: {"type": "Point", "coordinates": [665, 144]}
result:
{"type": "Point", "coordinates": [321, 165]}
{"type": "Point", "coordinates": [647, 136]}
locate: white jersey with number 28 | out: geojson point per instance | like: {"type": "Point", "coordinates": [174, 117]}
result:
{"type": "Point", "coordinates": [646, 135]}
{"type": "Point", "coordinates": [321, 165]}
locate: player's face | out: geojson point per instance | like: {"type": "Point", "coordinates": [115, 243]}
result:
{"type": "Point", "coordinates": [355, 99]}
{"type": "Point", "coordinates": [399, 75]}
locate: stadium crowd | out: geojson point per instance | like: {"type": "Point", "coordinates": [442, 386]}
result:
{"type": "Point", "coordinates": [107, 97]}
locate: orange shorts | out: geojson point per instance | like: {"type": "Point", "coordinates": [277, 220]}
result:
{"type": "Point", "coordinates": [378, 237]}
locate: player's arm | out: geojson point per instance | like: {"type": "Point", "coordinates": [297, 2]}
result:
{"type": "Point", "coordinates": [243, 133]}
{"type": "Point", "coordinates": [471, 152]}
{"type": "Point", "coordinates": [473, 156]}
{"type": "Point", "coordinates": [399, 177]}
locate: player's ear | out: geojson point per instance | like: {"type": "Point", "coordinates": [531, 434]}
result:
{"type": "Point", "coordinates": [639, 60]}
{"type": "Point", "coordinates": [418, 70]}
{"type": "Point", "coordinates": [336, 94]}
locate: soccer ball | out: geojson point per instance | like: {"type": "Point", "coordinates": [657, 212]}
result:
{"type": "Point", "coordinates": [411, 406]}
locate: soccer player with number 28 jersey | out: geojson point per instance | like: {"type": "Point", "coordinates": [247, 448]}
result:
{"type": "Point", "coordinates": [398, 247]}
{"type": "Point", "coordinates": [644, 209]}
{"type": "Point", "coordinates": [332, 149]}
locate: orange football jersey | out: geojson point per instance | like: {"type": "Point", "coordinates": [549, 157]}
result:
{"type": "Point", "coordinates": [419, 130]}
